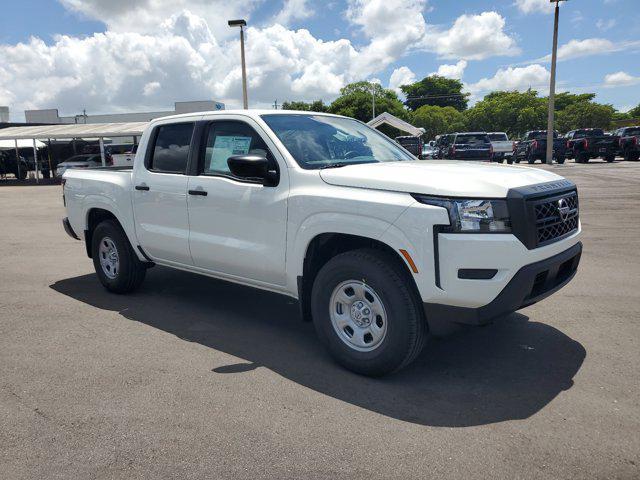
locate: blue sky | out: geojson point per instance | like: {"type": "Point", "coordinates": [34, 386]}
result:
{"type": "Point", "coordinates": [145, 54]}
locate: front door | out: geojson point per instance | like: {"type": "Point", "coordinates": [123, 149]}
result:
{"type": "Point", "coordinates": [237, 227]}
{"type": "Point", "coordinates": [160, 195]}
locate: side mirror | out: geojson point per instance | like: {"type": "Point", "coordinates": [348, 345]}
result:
{"type": "Point", "coordinates": [253, 167]}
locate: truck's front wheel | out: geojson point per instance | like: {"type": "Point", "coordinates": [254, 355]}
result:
{"type": "Point", "coordinates": [367, 313]}
{"type": "Point", "coordinates": [116, 264]}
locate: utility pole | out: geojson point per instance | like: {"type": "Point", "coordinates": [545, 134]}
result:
{"type": "Point", "coordinates": [373, 101]}
{"type": "Point", "coordinates": [242, 23]}
{"type": "Point", "coordinates": [552, 84]}
{"type": "Point", "coordinates": [275, 104]}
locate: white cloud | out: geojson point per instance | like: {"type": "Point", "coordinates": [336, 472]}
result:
{"type": "Point", "coordinates": [401, 76]}
{"type": "Point", "coordinates": [535, 77]}
{"type": "Point", "coordinates": [534, 6]}
{"type": "Point", "coordinates": [620, 79]}
{"type": "Point", "coordinates": [155, 52]}
{"type": "Point", "coordinates": [472, 37]}
{"type": "Point", "coordinates": [589, 46]}
{"type": "Point", "coordinates": [293, 10]}
{"type": "Point", "coordinates": [144, 16]}
{"type": "Point", "coordinates": [452, 71]}
{"type": "Point", "coordinates": [604, 25]}
{"type": "Point", "coordinates": [392, 26]}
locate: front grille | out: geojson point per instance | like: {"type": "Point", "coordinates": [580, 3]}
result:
{"type": "Point", "coordinates": [556, 217]}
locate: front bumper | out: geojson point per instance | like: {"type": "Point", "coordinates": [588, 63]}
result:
{"type": "Point", "coordinates": [529, 285]}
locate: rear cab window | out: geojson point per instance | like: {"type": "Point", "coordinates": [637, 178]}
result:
{"type": "Point", "coordinates": [498, 137]}
{"type": "Point", "coordinates": [171, 145]}
{"type": "Point", "coordinates": [473, 139]}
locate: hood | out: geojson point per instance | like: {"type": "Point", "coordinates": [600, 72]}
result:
{"type": "Point", "coordinates": [438, 177]}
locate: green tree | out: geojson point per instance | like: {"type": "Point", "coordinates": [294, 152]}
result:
{"type": "Point", "coordinates": [435, 90]}
{"type": "Point", "coordinates": [635, 112]}
{"type": "Point", "coordinates": [316, 106]}
{"type": "Point", "coordinates": [436, 120]}
{"type": "Point", "coordinates": [564, 99]}
{"type": "Point", "coordinates": [585, 115]}
{"type": "Point", "coordinates": [510, 112]}
{"type": "Point", "coordinates": [356, 100]}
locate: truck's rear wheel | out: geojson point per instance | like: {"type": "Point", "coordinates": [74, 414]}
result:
{"type": "Point", "coordinates": [367, 313]}
{"type": "Point", "coordinates": [116, 264]}
{"type": "Point", "coordinates": [609, 158]}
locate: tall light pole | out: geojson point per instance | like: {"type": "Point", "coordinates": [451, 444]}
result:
{"type": "Point", "coordinates": [373, 100]}
{"type": "Point", "coordinates": [552, 84]}
{"type": "Point", "coordinates": [242, 23]}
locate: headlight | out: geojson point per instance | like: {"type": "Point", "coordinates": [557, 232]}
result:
{"type": "Point", "coordinates": [469, 216]}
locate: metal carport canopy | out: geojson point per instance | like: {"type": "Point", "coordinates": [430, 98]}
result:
{"type": "Point", "coordinates": [73, 130]}
{"type": "Point", "coordinates": [79, 130]}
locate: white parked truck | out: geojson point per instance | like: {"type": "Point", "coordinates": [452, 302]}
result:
{"type": "Point", "coordinates": [502, 147]}
{"type": "Point", "coordinates": [379, 249]}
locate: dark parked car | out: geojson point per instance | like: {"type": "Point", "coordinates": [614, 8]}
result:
{"type": "Point", "coordinates": [412, 144]}
{"type": "Point", "coordinates": [470, 146]}
{"type": "Point", "coordinates": [533, 146]}
{"type": "Point", "coordinates": [586, 143]}
{"type": "Point", "coordinates": [629, 142]}
{"type": "Point", "coordinates": [8, 164]}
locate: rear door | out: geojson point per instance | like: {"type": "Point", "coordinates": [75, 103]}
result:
{"type": "Point", "coordinates": [160, 194]}
{"type": "Point", "coordinates": [237, 226]}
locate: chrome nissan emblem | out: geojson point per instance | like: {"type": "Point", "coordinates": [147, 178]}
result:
{"type": "Point", "coordinates": [563, 209]}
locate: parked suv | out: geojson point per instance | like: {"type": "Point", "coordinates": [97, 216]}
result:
{"type": "Point", "coordinates": [379, 249]}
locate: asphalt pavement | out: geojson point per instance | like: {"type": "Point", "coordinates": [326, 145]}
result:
{"type": "Point", "coordinates": [194, 378]}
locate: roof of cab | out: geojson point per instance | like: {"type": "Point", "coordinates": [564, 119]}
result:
{"type": "Point", "coordinates": [253, 113]}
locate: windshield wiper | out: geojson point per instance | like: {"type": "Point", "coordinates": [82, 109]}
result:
{"type": "Point", "coordinates": [333, 165]}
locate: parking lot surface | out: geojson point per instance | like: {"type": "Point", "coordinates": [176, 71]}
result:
{"type": "Point", "coordinates": [195, 378]}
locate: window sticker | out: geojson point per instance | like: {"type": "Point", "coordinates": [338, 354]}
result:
{"type": "Point", "coordinates": [225, 147]}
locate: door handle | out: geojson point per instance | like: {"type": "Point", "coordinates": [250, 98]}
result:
{"type": "Point", "coordinates": [142, 187]}
{"type": "Point", "coordinates": [198, 192]}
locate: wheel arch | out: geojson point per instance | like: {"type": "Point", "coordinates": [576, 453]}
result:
{"type": "Point", "coordinates": [324, 246]}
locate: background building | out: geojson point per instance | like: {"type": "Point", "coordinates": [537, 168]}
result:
{"type": "Point", "coordinates": [51, 115]}
{"type": "Point", "coordinates": [4, 114]}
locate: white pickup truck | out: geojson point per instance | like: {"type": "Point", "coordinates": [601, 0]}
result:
{"type": "Point", "coordinates": [380, 249]}
{"type": "Point", "coordinates": [502, 147]}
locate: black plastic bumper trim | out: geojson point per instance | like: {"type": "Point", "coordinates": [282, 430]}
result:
{"type": "Point", "coordinates": [529, 285]}
{"type": "Point", "coordinates": [477, 273]}
{"type": "Point", "coordinates": [67, 228]}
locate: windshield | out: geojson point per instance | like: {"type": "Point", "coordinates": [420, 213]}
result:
{"type": "Point", "coordinates": [498, 137]}
{"type": "Point", "coordinates": [320, 141]}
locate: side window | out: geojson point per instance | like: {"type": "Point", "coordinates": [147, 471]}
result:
{"type": "Point", "coordinates": [226, 139]}
{"type": "Point", "coordinates": [171, 148]}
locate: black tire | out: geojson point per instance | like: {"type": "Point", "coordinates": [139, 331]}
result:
{"type": "Point", "coordinates": [531, 159]}
{"type": "Point", "coordinates": [609, 158]}
{"type": "Point", "coordinates": [130, 272]}
{"type": "Point", "coordinates": [509, 160]}
{"type": "Point", "coordinates": [560, 160]}
{"type": "Point", "coordinates": [406, 328]}
{"type": "Point", "coordinates": [582, 157]}
{"type": "Point", "coordinates": [634, 156]}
